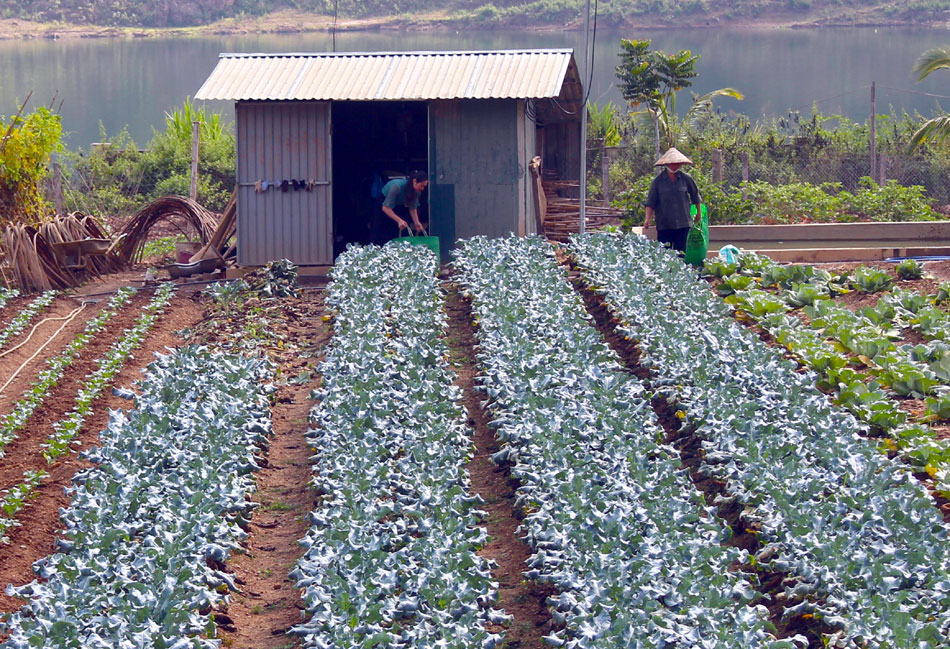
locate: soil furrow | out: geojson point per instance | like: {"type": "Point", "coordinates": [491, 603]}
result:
{"type": "Point", "coordinates": [524, 600]}
{"type": "Point", "coordinates": [14, 306]}
{"type": "Point", "coordinates": [688, 445]}
{"type": "Point", "coordinates": [268, 603]}
{"type": "Point", "coordinates": [41, 524]}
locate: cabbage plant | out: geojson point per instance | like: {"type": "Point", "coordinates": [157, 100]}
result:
{"type": "Point", "coordinates": [636, 555]}
{"type": "Point", "coordinates": [864, 548]}
{"type": "Point", "coordinates": [391, 556]}
{"type": "Point", "coordinates": [163, 503]}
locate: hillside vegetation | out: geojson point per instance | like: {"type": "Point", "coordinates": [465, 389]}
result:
{"type": "Point", "coordinates": [501, 13]}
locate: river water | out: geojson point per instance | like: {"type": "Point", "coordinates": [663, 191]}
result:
{"type": "Point", "coordinates": [131, 83]}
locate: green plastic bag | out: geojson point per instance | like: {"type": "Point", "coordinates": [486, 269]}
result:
{"type": "Point", "coordinates": [697, 241]}
{"type": "Point", "coordinates": [430, 242]}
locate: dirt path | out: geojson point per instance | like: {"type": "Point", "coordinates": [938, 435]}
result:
{"type": "Point", "coordinates": [268, 604]}
{"type": "Point", "coordinates": [524, 600]}
{"type": "Point", "coordinates": [40, 520]}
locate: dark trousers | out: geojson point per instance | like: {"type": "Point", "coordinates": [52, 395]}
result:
{"type": "Point", "coordinates": [675, 238]}
{"type": "Point", "coordinates": [383, 228]}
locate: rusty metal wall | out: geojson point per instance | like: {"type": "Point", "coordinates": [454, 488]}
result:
{"type": "Point", "coordinates": [476, 182]}
{"type": "Point", "coordinates": [276, 142]}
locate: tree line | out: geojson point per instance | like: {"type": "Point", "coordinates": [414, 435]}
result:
{"type": "Point", "coordinates": [179, 13]}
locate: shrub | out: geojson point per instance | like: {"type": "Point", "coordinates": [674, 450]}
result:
{"type": "Point", "coordinates": [117, 178]}
{"type": "Point", "coordinates": [25, 149]}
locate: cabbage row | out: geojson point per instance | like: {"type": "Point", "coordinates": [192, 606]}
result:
{"type": "Point", "coordinates": [865, 548]}
{"type": "Point", "coordinates": [613, 519]}
{"type": "Point", "coordinates": [390, 558]}
{"type": "Point", "coordinates": [907, 371]}
{"type": "Point", "coordinates": [7, 294]}
{"type": "Point", "coordinates": [165, 502]}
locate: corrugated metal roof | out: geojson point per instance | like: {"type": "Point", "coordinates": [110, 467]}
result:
{"type": "Point", "coordinates": [505, 74]}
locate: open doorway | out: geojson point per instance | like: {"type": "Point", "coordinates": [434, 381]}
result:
{"type": "Point", "coordinates": [373, 142]}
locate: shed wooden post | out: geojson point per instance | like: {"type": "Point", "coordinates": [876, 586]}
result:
{"type": "Point", "coordinates": [195, 139]}
{"type": "Point", "coordinates": [717, 165]}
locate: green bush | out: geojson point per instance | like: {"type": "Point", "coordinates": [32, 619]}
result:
{"type": "Point", "coordinates": [792, 203]}
{"type": "Point", "coordinates": [26, 146]}
{"type": "Point", "coordinates": [118, 179]}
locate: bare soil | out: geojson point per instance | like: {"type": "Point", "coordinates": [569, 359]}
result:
{"type": "Point", "coordinates": [268, 603]}
{"type": "Point", "coordinates": [291, 22]}
{"type": "Point", "coordinates": [525, 600]}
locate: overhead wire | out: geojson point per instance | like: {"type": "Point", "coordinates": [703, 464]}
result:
{"type": "Point", "coordinates": [916, 92]}
{"type": "Point", "coordinates": [838, 96]}
{"type": "Point", "coordinates": [590, 67]}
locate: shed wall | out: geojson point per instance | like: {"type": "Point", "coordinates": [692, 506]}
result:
{"type": "Point", "coordinates": [279, 141]}
{"type": "Point", "coordinates": [476, 184]}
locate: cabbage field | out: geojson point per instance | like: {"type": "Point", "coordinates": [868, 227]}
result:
{"type": "Point", "coordinates": [753, 455]}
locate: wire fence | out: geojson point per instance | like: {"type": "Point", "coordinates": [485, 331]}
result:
{"type": "Point", "coordinates": [839, 170]}
{"type": "Point", "coordinates": [844, 171]}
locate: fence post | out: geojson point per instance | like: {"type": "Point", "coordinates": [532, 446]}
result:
{"type": "Point", "coordinates": [882, 169]}
{"type": "Point", "coordinates": [195, 138]}
{"type": "Point", "coordinates": [717, 165]}
{"type": "Point", "coordinates": [605, 175]}
{"type": "Point", "coordinates": [744, 157]}
{"type": "Point", "coordinates": [873, 129]}
{"type": "Point", "coordinates": [57, 186]}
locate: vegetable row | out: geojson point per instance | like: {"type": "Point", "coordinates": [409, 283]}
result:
{"type": "Point", "coordinates": [149, 523]}
{"type": "Point", "coordinates": [66, 430]}
{"type": "Point", "coordinates": [614, 521]}
{"type": "Point", "coordinates": [23, 317]}
{"type": "Point", "coordinates": [865, 549]}
{"type": "Point", "coordinates": [390, 558]}
{"type": "Point", "coordinates": [56, 368]}
{"type": "Point", "coordinates": [854, 353]}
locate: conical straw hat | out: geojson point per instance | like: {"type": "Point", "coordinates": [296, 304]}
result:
{"type": "Point", "coordinates": [672, 156]}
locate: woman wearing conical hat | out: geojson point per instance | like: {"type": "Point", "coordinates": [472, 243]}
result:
{"type": "Point", "coordinates": [668, 201]}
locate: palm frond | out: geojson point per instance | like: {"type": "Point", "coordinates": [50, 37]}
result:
{"type": "Point", "coordinates": [936, 129]}
{"type": "Point", "coordinates": [703, 103]}
{"type": "Point", "coordinates": [937, 58]}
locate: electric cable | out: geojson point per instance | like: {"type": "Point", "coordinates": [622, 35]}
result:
{"type": "Point", "coordinates": [915, 92]}
{"type": "Point", "coordinates": [593, 46]}
{"type": "Point", "coordinates": [838, 96]}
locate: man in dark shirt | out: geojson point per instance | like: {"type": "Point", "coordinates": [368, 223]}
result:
{"type": "Point", "coordinates": [669, 199]}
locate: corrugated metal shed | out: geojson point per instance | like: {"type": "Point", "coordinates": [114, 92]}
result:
{"type": "Point", "coordinates": [395, 76]}
{"type": "Point", "coordinates": [472, 120]}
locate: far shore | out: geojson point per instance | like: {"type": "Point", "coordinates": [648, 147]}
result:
{"type": "Point", "coordinates": [293, 23]}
